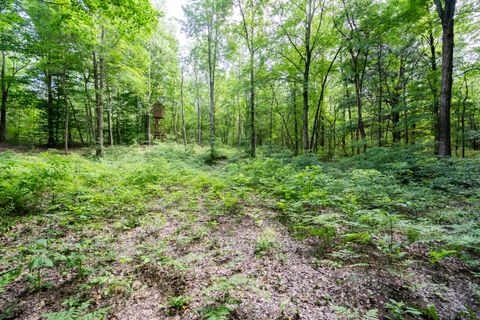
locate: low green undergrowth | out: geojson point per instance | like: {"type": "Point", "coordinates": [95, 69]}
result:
{"type": "Point", "coordinates": [121, 183]}
{"type": "Point", "coordinates": [62, 215]}
{"type": "Point", "coordinates": [385, 201]}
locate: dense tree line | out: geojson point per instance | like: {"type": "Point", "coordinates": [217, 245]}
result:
{"type": "Point", "coordinates": [330, 77]}
{"type": "Point", "coordinates": [82, 71]}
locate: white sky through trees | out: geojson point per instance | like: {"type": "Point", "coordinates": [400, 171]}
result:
{"type": "Point", "coordinates": [174, 13]}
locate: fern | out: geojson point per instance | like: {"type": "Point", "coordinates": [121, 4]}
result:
{"type": "Point", "coordinates": [78, 313]}
{"type": "Point", "coordinates": [371, 314]}
{"type": "Point", "coordinates": [221, 312]}
{"type": "Point", "coordinates": [8, 277]}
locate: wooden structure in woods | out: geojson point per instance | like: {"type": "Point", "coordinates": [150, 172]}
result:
{"type": "Point", "coordinates": [158, 111]}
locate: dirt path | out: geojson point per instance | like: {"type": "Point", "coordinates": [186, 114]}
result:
{"type": "Point", "coordinates": [278, 283]}
{"type": "Point", "coordinates": [249, 262]}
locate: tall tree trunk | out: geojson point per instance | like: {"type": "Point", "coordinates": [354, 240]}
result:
{"type": "Point", "coordinates": [344, 134]}
{"type": "Point", "coordinates": [350, 118]}
{"type": "Point", "coordinates": [380, 96]}
{"type": "Point", "coordinates": [184, 129]}
{"type": "Point", "coordinates": [109, 115]}
{"type": "Point", "coordinates": [361, 128]}
{"type": "Point", "coordinates": [473, 126]}
{"type": "Point", "coordinates": [109, 124]}
{"type": "Point", "coordinates": [306, 75]}
{"type": "Point", "coordinates": [148, 109]}
{"type": "Point", "coordinates": [99, 76]}
{"type": "Point", "coordinates": [358, 79]}
{"type": "Point", "coordinates": [405, 110]}
{"type": "Point", "coordinates": [175, 127]}
{"type": "Point", "coordinates": [334, 132]}
{"type": "Point", "coordinates": [350, 121]}
{"type": "Point", "coordinates": [228, 125]}
{"type": "Point", "coordinates": [119, 136]}
{"type": "Point", "coordinates": [457, 137]}
{"type": "Point", "coordinates": [50, 111]}
{"type": "Point", "coordinates": [239, 122]}
{"type": "Point", "coordinates": [433, 85]}
{"type": "Point", "coordinates": [396, 136]}
{"type": "Point", "coordinates": [322, 131]}
{"type": "Point", "coordinates": [295, 119]}
{"type": "Point", "coordinates": [90, 134]}
{"type": "Point", "coordinates": [88, 111]}
{"type": "Point", "coordinates": [252, 106]}
{"type": "Point", "coordinates": [149, 125]}
{"type": "Point", "coordinates": [271, 125]}
{"type": "Point", "coordinates": [464, 109]}
{"type": "Point", "coordinates": [249, 37]}
{"type": "Point", "coordinates": [395, 102]}
{"type": "Point", "coordinates": [318, 117]}
{"type": "Point", "coordinates": [57, 113]}
{"type": "Point", "coordinates": [77, 123]}
{"type": "Point", "coordinates": [3, 109]}
{"type": "Point", "coordinates": [65, 105]}
{"type": "Point", "coordinates": [446, 14]}
{"type": "Point", "coordinates": [285, 131]}
{"type": "Point", "coordinates": [199, 111]}
{"type": "Point", "coordinates": [211, 85]}
{"type": "Point", "coordinates": [98, 105]}
{"type": "Point", "coordinates": [199, 122]}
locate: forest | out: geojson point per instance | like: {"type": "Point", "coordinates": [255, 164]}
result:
{"type": "Point", "coordinates": [240, 159]}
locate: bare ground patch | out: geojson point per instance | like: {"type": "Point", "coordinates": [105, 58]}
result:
{"type": "Point", "coordinates": [248, 262]}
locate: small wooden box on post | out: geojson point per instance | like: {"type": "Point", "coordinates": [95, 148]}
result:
{"type": "Point", "coordinates": [158, 111]}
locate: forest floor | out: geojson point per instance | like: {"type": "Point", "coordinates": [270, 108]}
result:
{"type": "Point", "coordinates": [155, 233]}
